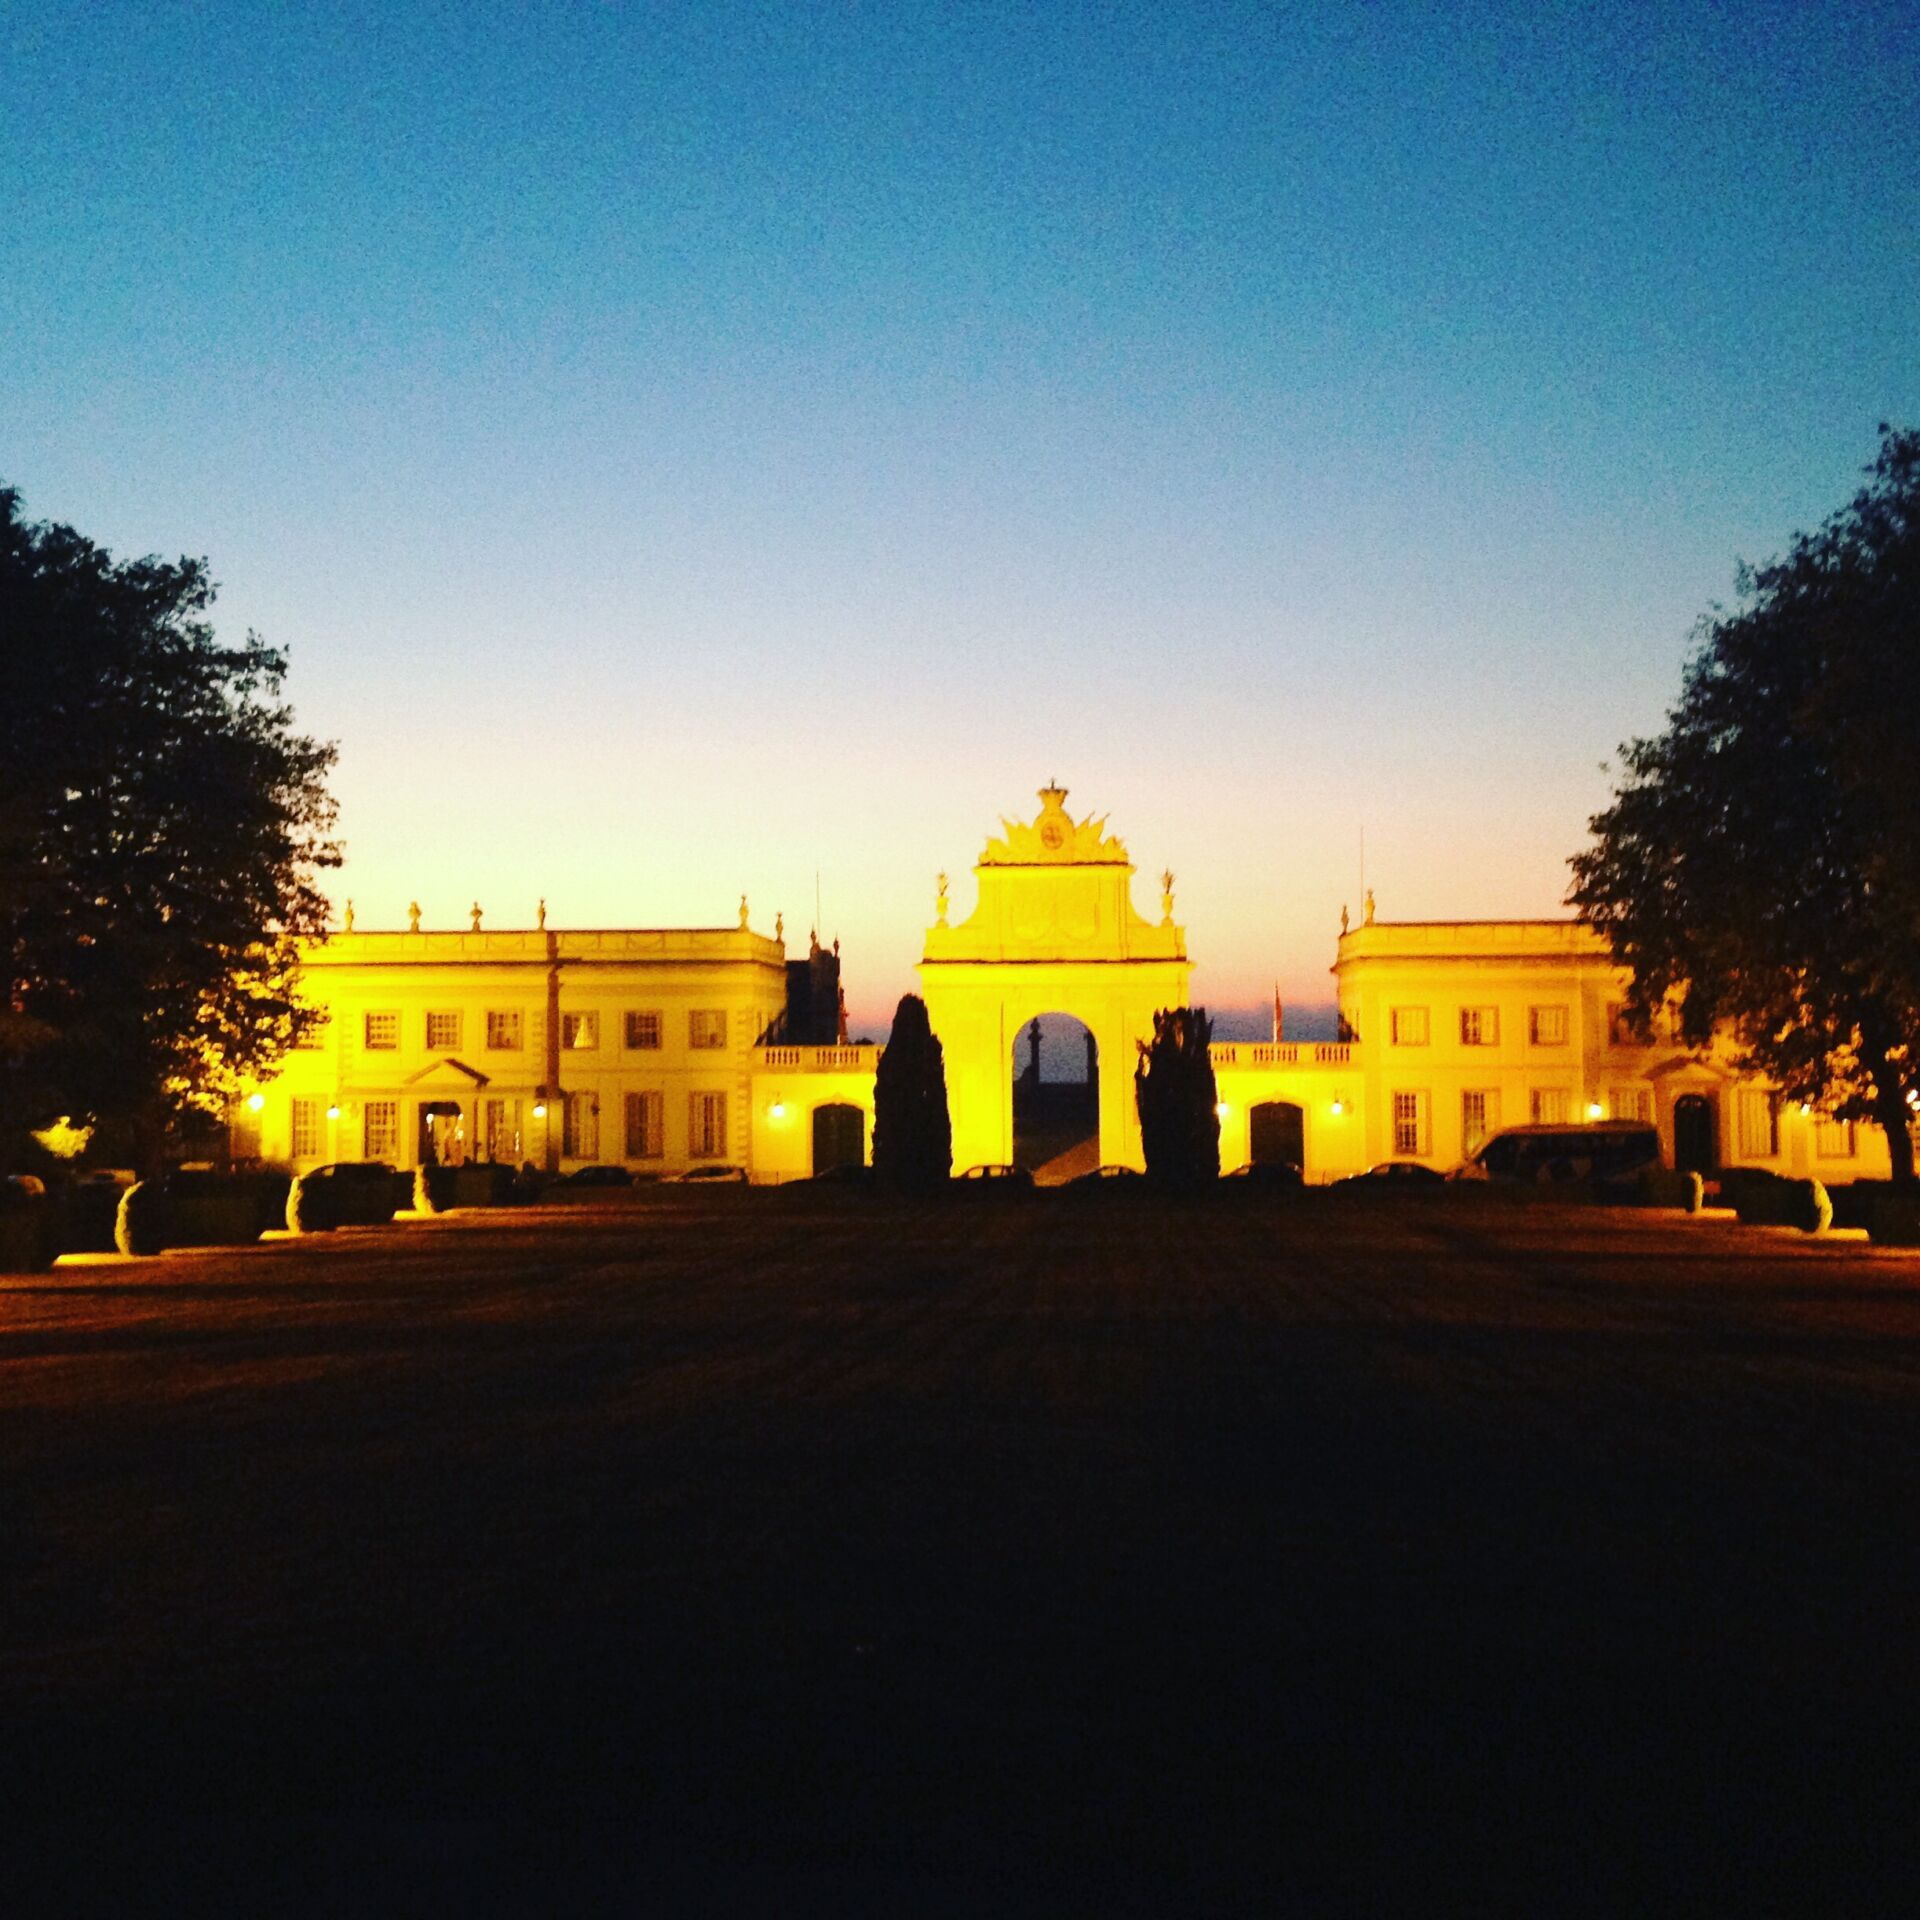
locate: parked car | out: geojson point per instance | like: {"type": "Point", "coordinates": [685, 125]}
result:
{"type": "Point", "coordinates": [997, 1173]}
{"type": "Point", "coordinates": [1609, 1150]}
{"type": "Point", "coordinates": [595, 1177]}
{"type": "Point", "coordinates": [1407, 1175]}
{"type": "Point", "coordinates": [849, 1173]}
{"type": "Point", "coordinates": [731, 1176]}
{"type": "Point", "coordinates": [1108, 1176]}
{"type": "Point", "coordinates": [1281, 1175]}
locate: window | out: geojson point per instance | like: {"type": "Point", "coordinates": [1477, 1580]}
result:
{"type": "Point", "coordinates": [1479, 1026]}
{"type": "Point", "coordinates": [579, 1031]}
{"type": "Point", "coordinates": [1626, 1031]}
{"type": "Point", "coordinates": [443, 1032]}
{"type": "Point", "coordinates": [643, 1031]}
{"type": "Point", "coordinates": [643, 1126]}
{"type": "Point", "coordinates": [1409, 1123]}
{"type": "Point", "coordinates": [1834, 1139]}
{"type": "Point", "coordinates": [503, 1031]}
{"type": "Point", "coordinates": [1479, 1118]}
{"type": "Point", "coordinates": [313, 1036]}
{"type": "Point", "coordinates": [1630, 1103]}
{"type": "Point", "coordinates": [309, 1141]}
{"type": "Point", "coordinates": [500, 1129]}
{"type": "Point", "coordinates": [381, 1129]}
{"type": "Point", "coordinates": [1549, 1105]}
{"type": "Point", "coordinates": [382, 1032]}
{"type": "Point", "coordinates": [1409, 1026]}
{"type": "Point", "coordinates": [707, 1128]}
{"type": "Point", "coordinates": [1547, 1026]}
{"type": "Point", "coordinates": [580, 1128]}
{"type": "Point", "coordinates": [707, 1027]}
{"type": "Point", "coordinates": [1759, 1121]}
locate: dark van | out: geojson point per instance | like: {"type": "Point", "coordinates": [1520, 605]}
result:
{"type": "Point", "coordinates": [1599, 1150]}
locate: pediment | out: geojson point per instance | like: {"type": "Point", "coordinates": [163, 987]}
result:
{"type": "Point", "coordinates": [1682, 1064]}
{"type": "Point", "coordinates": [447, 1072]}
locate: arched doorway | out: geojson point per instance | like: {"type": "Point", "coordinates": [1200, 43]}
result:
{"type": "Point", "coordinates": [839, 1136]}
{"type": "Point", "coordinates": [443, 1133]}
{"type": "Point", "coordinates": [1056, 1098]}
{"type": "Point", "coordinates": [1277, 1135]}
{"type": "Point", "coordinates": [1696, 1134]}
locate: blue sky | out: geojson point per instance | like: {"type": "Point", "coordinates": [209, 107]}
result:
{"type": "Point", "coordinates": [685, 448]}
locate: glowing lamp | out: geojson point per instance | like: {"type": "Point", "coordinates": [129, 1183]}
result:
{"type": "Point", "coordinates": [778, 1111]}
{"type": "Point", "coordinates": [1805, 1109]}
{"type": "Point", "coordinates": [539, 1109]}
{"type": "Point", "coordinates": [255, 1101]}
{"type": "Point", "coordinates": [1338, 1108]}
{"type": "Point", "coordinates": [333, 1112]}
{"type": "Point", "coordinates": [1223, 1109]}
{"type": "Point", "coordinates": [1595, 1111]}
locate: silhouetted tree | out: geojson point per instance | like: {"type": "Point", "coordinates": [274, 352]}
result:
{"type": "Point", "coordinates": [160, 830]}
{"type": "Point", "coordinates": [912, 1133]}
{"type": "Point", "coordinates": [1174, 1091]}
{"type": "Point", "coordinates": [1760, 863]}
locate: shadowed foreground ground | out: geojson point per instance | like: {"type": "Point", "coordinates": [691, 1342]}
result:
{"type": "Point", "coordinates": [760, 1551]}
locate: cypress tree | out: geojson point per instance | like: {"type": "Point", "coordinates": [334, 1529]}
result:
{"type": "Point", "coordinates": [912, 1133]}
{"type": "Point", "coordinates": [1174, 1092]}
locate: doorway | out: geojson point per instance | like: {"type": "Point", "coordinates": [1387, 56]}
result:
{"type": "Point", "coordinates": [1696, 1134]}
{"type": "Point", "coordinates": [839, 1136]}
{"type": "Point", "coordinates": [1277, 1135]}
{"type": "Point", "coordinates": [443, 1134]}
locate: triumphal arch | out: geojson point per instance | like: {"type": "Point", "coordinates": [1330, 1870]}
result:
{"type": "Point", "coordinates": [1054, 931]}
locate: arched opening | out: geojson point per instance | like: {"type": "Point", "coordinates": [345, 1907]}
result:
{"type": "Point", "coordinates": [1696, 1134]}
{"type": "Point", "coordinates": [1277, 1135]}
{"type": "Point", "coordinates": [839, 1136]}
{"type": "Point", "coordinates": [1056, 1098]}
{"type": "Point", "coordinates": [443, 1133]}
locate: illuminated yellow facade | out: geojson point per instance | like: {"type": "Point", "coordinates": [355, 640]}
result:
{"type": "Point", "coordinates": [1054, 930]}
{"type": "Point", "coordinates": [659, 1050]}
{"type": "Point", "coordinates": [559, 1048]}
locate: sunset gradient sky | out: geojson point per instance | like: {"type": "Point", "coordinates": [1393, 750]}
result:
{"type": "Point", "coordinates": [684, 448]}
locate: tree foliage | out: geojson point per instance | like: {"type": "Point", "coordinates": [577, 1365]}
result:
{"type": "Point", "coordinates": [1173, 1089]}
{"type": "Point", "coordinates": [1760, 863]}
{"type": "Point", "coordinates": [161, 828]}
{"type": "Point", "coordinates": [912, 1130]}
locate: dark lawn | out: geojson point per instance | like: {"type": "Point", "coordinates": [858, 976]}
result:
{"type": "Point", "coordinates": [1085, 1553]}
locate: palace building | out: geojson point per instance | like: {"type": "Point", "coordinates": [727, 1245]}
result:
{"type": "Point", "coordinates": [665, 1050]}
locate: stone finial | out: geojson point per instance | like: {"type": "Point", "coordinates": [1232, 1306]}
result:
{"type": "Point", "coordinates": [346, 925]}
{"type": "Point", "coordinates": [780, 925]}
{"type": "Point", "coordinates": [743, 913]}
{"type": "Point", "coordinates": [1343, 916]}
{"type": "Point", "coordinates": [540, 917]}
{"type": "Point", "coordinates": [940, 901]}
{"type": "Point", "coordinates": [1369, 906]}
{"type": "Point", "coordinates": [1166, 898]}
{"type": "Point", "coordinates": [476, 916]}
{"type": "Point", "coordinates": [413, 916]}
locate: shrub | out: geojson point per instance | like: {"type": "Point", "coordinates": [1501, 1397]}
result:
{"type": "Point", "coordinates": [1173, 1089]}
{"type": "Point", "coordinates": [912, 1131]}
{"type": "Point", "coordinates": [145, 1221]}
{"type": "Point", "coordinates": [29, 1237]}
{"type": "Point", "coordinates": [310, 1206]}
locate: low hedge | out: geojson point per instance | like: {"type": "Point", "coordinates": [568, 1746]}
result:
{"type": "Point", "coordinates": [197, 1210]}
{"type": "Point", "coordinates": [480, 1183]}
{"type": "Point", "coordinates": [1893, 1216]}
{"type": "Point", "coordinates": [1764, 1199]}
{"type": "Point", "coordinates": [351, 1194]}
{"type": "Point", "coordinates": [29, 1230]}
